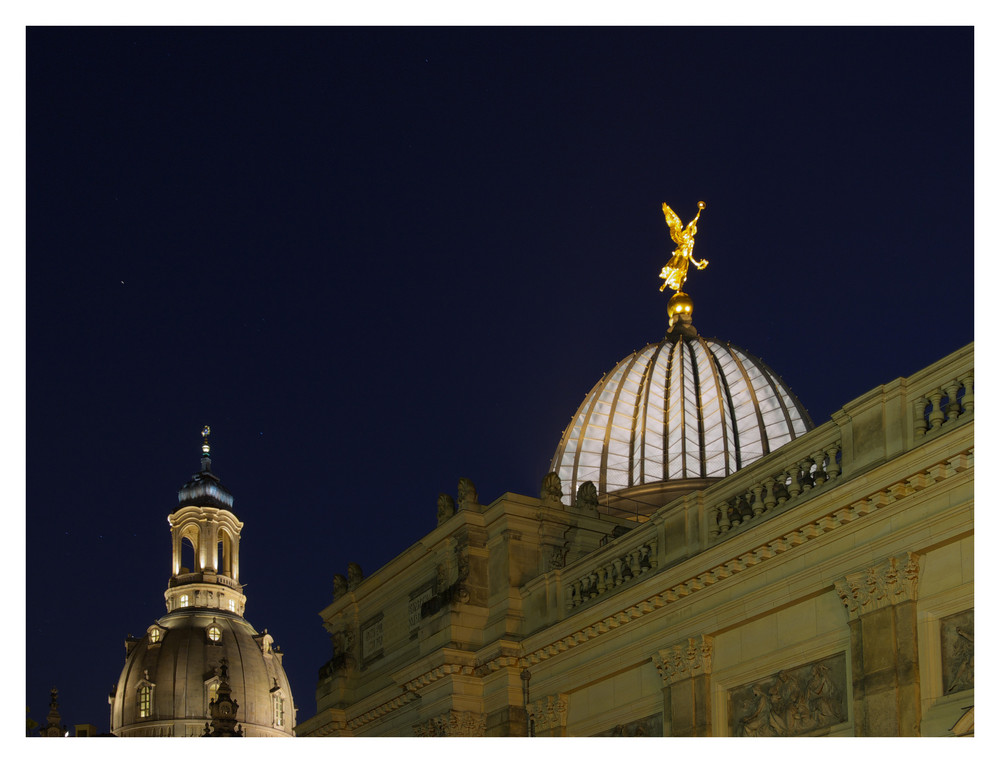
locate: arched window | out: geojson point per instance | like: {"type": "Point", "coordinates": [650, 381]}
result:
{"type": "Point", "coordinates": [145, 701]}
{"type": "Point", "coordinates": [214, 633]}
{"type": "Point", "coordinates": [211, 694]}
{"type": "Point", "coordinates": [232, 605]}
{"type": "Point", "coordinates": [189, 553]}
{"type": "Point", "coordinates": [154, 635]}
{"type": "Point", "coordinates": [184, 600]}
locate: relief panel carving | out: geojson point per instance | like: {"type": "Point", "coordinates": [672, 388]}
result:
{"type": "Point", "coordinates": [650, 726]}
{"type": "Point", "coordinates": [797, 701]}
{"type": "Point", "coordinates": [957, 666]}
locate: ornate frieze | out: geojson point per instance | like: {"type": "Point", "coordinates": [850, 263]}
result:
{"type": "Point", "coordinates": [689, 658]}
{"type": "Point", "coordinates": [454, 723]}
{"type": "Point", "coordinates": [791, 702]}
{"type": "Point", "coordinates": [957, 652]}
{"type": "Point", "coordinates": [549, 713]}
{"type": "Point", "coordinates": [892, 581]}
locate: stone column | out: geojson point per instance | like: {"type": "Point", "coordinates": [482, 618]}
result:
{"type": "Point", "coordinates": [549, 716]}
{"type": "Point", "coordinates": [686, 670]}
{"type": "Point", "coordinates": [882, 614]}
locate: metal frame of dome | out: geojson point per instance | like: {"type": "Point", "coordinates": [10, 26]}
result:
{"type": "Point", "coordinates": [678, 413]}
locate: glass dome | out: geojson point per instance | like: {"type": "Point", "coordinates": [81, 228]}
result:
{"type": "Point", "coordinates": [686, 408]}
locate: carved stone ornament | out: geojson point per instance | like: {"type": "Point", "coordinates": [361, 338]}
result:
{"type": "Point", "coordinates": [958, 652]}
{"type": "Point", "coordinates": [686, 659]}
{"type": "Point", "coordinates": [797, 701]}
{"type": "Point", "coordinates": [549, 713]}
{"type": "Point", "coordinates": [551, 488]}
{"type": "Point", "coordinates": [446, 507]}
{"type": "Point", "coordinates": [339, 586]}
{"type": "Point", "coordinates": [556, 557]}
{"type": "Point", "coordinates": [452, 570]}
{"type": "Point", "coordinates": [468, 498]}
{"type": "Point", "coordinates": [650, 726]}
{"type": "Point", "coordinates": [586, 496]}
{"type": "Point", "coordinates": [892, 581]}
{"type": "Point", "coordinates": [454, 723]}
{"type": "Point", "coordinates": [354, 575]}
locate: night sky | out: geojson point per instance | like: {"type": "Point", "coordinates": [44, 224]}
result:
{"type": "Point", "coordinates": [379, 260]}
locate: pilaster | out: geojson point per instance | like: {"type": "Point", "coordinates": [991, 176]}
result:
{"type": "Point", "coordinates": [686, 669]}
{"type": "Point", "coordinates": [881, 610]}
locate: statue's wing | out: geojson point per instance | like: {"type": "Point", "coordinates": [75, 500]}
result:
{"type": "Point", "coordinates": [674, 223]}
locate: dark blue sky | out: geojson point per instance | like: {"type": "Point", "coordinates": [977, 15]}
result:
{"type": "Point", "coordinates": [379, 260]}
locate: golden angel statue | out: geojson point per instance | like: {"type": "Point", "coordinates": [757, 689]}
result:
{"type": "Point", "coordinates": [674, 273]}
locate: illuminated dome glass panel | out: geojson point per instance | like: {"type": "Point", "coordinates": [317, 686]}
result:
{"type": "Point", "coordinates": [686, 408]}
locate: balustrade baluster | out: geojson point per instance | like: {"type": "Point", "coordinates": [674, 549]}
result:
{"type": "Point", "coordinates": [805, 466]}
{"type": "Point", "coordinates": [723, 521]}
{"type": "Point", "coordinates": [757, 501]}
{"type": "Point", "coordinates": [951, 390]}
{"type": "Point", "coordinates": [770, 500]}
{"type": "Point", "coordinates": [937, 415]}
{"type": "Point", "coordinates": [920, 416]}
{"type": "Point", "coordinates": [967, 382]}
{"type": "Point", "coordinates": [633, 563]}
{"type": "Point", "coordinates": [832, 467]}
{"type": "Point", "coordinates": [794, 486]}
{"type": "Point", "coordinates": [819, 477]}
{"type": "Point", "coordinates": [602, 580]}
{"type": "Point", "coordinates": [618, 571]}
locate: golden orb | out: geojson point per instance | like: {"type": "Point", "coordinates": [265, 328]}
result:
{"type": "Point", "coordinates": [679, 304]}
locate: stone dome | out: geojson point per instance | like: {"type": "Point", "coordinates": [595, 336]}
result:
{"type": "Point", "coordinates": [673, 417]}
{"type": "Point", "coordinates": [171, 673]}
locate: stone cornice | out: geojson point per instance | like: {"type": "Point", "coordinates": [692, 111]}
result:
{"type": "Point", "coordinates": [843, 515]}
{"type": "Point", "coordinates": [686, 659]}
{"type": "Point", "coordinates": [380, 710]}
{"type": "Point", "coordinates": [891, 581]}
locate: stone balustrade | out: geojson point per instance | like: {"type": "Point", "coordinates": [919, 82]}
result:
{"type": "Point", "coordinates": [804, 473]}
{"type": "Point", "coordinates": [612, 571]}
{"type": "Point", "coordinates": [944, 404]}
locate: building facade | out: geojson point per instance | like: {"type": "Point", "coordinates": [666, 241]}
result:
{"type": "Point", "coordinates": [824, 586]}
{"type": "Point", "coordinates": [202, 669]}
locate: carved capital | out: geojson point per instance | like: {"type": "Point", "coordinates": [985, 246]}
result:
{"type": "Point", "coordinates": [549, 713]}
{"type": "Point", "coordinates": [686, 659]}
{"type": "Point", "coordinates": [454, 723]}
{"type": "Point", "coordinates": [891, 581]}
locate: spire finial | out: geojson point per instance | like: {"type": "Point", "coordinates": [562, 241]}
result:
{"type": "Point", "coordinates": [206, 449]}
